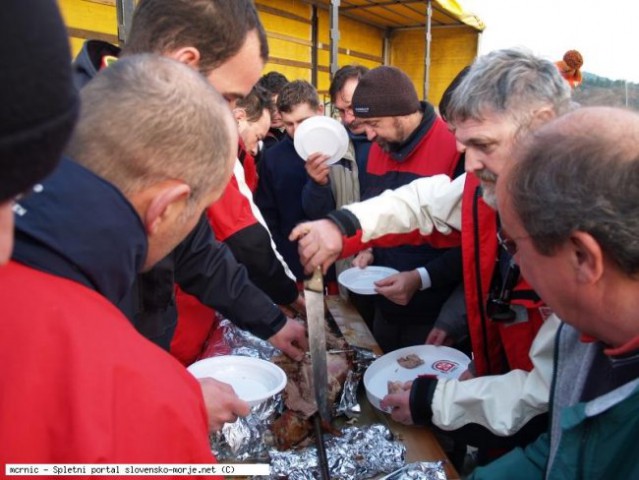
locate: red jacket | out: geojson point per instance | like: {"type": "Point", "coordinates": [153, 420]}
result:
{"type": "Point", "coordinates": [492, 342]}
{"type": "Point", "coordinates": [80, 385]}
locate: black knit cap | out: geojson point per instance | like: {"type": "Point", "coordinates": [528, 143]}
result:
{"type": "Point", "coordinates": [385, 92]}
{"type": "Point", "coordinates": [38, 103]}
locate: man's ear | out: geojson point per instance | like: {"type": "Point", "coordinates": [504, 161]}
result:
{"type": "Point", "coordinates": [588, 259]}
{"type": "Point", "coordinates": [187, 55]}
{"type": "Point", "coordinates": [320, 109]}
{"type": "Point", "coordinates": [239, 114]}
{"type": "Point", "coordinates": [166, 202]}
{"type": "Point", "coordinates": [541, 116]}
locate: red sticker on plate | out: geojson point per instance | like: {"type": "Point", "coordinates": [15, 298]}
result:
{"type": "Point", "coordinates": [445, 366]}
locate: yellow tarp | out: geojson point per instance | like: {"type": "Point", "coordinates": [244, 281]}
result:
{"type": "Point", "coordinates": [455, 9]}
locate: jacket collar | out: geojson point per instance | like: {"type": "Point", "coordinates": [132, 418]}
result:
{"type": "Point", "coordinates": [79, 226]}
{"type": "Point", "coordinates": [400, 152]}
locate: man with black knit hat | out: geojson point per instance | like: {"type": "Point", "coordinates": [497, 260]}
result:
{"type": "Point", "coordinates": [37, 116]}
{"type": "Point", "coordinates": [409, 141]}
{"type": "Point", "coordinates": [80, 385]}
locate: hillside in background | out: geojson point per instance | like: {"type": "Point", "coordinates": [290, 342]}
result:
{"type": "Point", "coordinates": [596, 90]}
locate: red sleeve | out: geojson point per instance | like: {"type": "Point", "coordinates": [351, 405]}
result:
{"type": "Point", "coordinates": [231, 213]}
{"type": "Point", "coordinates": [85, 387]}
{"type": "Point", "coordinates": [354, 244]}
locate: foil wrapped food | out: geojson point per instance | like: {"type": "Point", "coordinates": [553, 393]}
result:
{"type": "Point", "coordinates": [358, 453]}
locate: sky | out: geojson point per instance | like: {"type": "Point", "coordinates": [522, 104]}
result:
{"type": "Point", "coordinates": [606, 33]}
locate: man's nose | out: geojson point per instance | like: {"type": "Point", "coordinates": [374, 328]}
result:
{"type": "Point", "coordinates": [370, 133]}
{"type": "Point", "coordinates": [472, 161]}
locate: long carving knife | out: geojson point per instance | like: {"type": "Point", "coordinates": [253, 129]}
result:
{"type": "Point", "coordinates": [314, 297]}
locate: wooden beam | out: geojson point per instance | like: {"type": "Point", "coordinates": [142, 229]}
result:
{"type": "Point", "coordinates": [91, 35]}
{"type": "Point", "coordinates": [103, 2]}
{"type": "Point", "coordinates": [382, 4]}
{"type": "Point", "coordinates": [281, 13]}
{"type": "Point", "coordinates": [289, 38]}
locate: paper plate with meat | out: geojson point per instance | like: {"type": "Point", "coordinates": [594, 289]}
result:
{"type": "Point", "coordinates": [392, 370]}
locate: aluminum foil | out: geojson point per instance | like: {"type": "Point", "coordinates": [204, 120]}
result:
{"type": "Point", "coordinates": [244, 343]}
{"type": "Point", "coordinates": [348, 404]}
{"type": "Point", "coordinates": [419, 471]}
{"type": "Point", "coordinates": [358, 453]}
{"type": "Point", "coordinates": [248, 439]}
{"type": "Point", "coordinates": [361, 452]}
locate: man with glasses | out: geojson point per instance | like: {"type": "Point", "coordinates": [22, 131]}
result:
{"type": "Point", "coordinates": [570, 204]}
{"type": "Point", "coordinates": [505, 95]}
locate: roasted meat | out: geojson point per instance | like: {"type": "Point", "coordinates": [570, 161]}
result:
{"type": "Point", "coordinates": [299, 397]}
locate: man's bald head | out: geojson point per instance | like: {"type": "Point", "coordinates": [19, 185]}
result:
{"type": "Point", "coordinates": [580, 172]}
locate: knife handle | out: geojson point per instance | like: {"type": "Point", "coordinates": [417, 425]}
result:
{"type": "Point", "coordinates": [316, 282]}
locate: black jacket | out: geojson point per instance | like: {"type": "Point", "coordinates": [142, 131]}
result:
{"type": "Point", "coordinates": [200, 265]}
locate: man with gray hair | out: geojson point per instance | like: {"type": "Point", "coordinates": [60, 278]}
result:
{"type": "Point", "coordinates": [92, 388]}
{"type": "Point", "coordinates": [570, 216]}
{"type": "Point", "coordinates": [505, 94]}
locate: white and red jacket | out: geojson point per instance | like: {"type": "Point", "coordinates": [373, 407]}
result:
{"type": "Point", "coordinates": [237, 222]}
{"type": "Point", "coordinates": [432, 210]}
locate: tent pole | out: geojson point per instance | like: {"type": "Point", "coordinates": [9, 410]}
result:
{"type": "Point", "coordinates": [429, 17]}
{"type": "Point", "coordinates": [334, 36]}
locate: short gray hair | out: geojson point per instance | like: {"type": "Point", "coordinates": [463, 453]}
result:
{"type": "Point", "coordinates": [581, 173]}
{"type": "Point", "coordinates": [509, 81]}
{"type": "Point", "coordinates": [146, 119]}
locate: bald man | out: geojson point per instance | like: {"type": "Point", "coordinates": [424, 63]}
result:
{"type": "Point", "coordinates": [570, 216]}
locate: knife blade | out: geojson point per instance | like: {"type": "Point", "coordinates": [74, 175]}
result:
{"type": "Point", "coordinates": [314, 298]}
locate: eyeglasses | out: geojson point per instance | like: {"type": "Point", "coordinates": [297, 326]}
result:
{"type": "Point", "coordinates": [507, 243]}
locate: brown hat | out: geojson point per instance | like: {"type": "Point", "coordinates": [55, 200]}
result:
{"type": "Point", "coordinates": [385, 92]}
{"type": "Point", "coordinates": [573, 59]}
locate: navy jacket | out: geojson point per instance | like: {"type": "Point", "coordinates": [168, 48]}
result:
{"type": "Point", "coordinates": [51, 232]}
{"type": "Point", "coordinates": [279, 197]}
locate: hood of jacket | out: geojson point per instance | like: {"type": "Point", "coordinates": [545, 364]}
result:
{"type": "Point", "coordinates": [79, 226]}
{"type": "Point", "coordinates": [89, 61]}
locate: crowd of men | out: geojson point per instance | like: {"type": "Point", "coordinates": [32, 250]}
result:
{"type": "Point", "coordinates": [129, 175]}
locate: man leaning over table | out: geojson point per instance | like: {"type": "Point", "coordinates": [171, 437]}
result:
{"type": "Point", "coordinates": [225, 41]}
{"type": "Point", "coordinates": [505, 94]}
{"type": "Point", "coordinates": [570, 210]}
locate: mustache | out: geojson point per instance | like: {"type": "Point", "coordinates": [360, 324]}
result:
{"type": "Point", "coordinates": [486, 175]}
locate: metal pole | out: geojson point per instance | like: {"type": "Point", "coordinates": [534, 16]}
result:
{"type": "Point", "coordinates": [334, 36]}
{"type": "Point", "coordinates": [626, 93]}
{"type": "Point", "coordinates": [124, 9]}
{"type": "Point", "coordinates": [429, 17]}
{"type": "Point", "coordinates": [314, 36]}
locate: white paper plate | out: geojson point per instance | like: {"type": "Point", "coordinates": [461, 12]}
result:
{"type": "Point", "coordinates": [321, 134]}
{"type": "Point", "coordinates": [444, 362]}
{"type": "Point", "coordinates": [254, 380]}
{"type": "Point", "coordinates": [362, 280]}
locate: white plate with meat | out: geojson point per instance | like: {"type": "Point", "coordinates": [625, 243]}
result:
{"type": "Point", "coordinates": [406, 364]}
{"type": "Point", "coordinates": [254, 380]}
